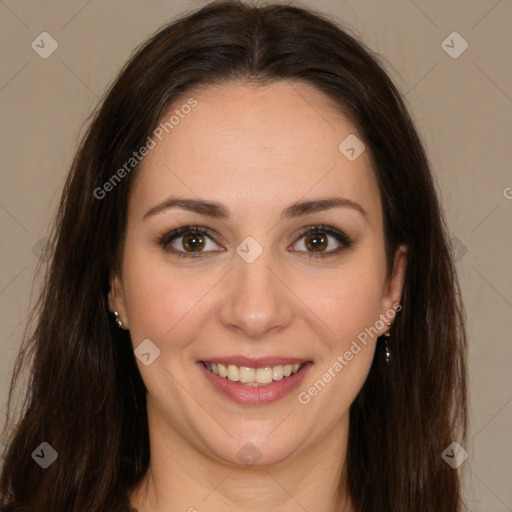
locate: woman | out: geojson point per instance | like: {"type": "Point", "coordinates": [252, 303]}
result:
{"type": "Point", "coordinates": [251, 302]}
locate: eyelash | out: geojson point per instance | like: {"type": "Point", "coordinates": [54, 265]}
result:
{"type": "Point", "coordinates": [345, 241]}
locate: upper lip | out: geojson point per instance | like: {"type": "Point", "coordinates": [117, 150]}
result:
{"type": "Point", "coordinates": [260, 362]}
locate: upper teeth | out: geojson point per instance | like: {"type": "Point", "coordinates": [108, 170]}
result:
{"type": "Point", "coordinates": [254, 376]}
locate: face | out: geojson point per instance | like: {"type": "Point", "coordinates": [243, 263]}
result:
{"type": "Point", "coordinates": [265, 281]}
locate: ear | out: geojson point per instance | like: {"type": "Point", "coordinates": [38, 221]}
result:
{"type": "Point", "coordinates": [116, 300]}
{"type": "Point", "coordinates": [394, 286]}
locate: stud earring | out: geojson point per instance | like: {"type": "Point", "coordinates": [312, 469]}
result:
{"type": "Point", "coordinates": [118, 320]}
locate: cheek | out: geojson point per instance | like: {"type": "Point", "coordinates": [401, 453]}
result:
{"type": "Point", "coordinates": [174, 307]}
{"type": "Point", "coordinates": [346, 307]}
{"type": "Point", "coordinates": [161, 301]}
{"type": "Point", "coordinates": [347, 301]}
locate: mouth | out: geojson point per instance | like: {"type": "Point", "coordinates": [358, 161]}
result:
{"type": "Point", "coordinates": [257, 384]}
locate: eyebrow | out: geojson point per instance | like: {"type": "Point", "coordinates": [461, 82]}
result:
{"type": "Point", "coordinates": [217, 210]}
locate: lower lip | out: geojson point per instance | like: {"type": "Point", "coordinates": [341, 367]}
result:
{"type": "Point", "coordinates": [255, 395]}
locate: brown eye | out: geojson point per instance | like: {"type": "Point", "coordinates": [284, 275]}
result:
{"type": "Point", "coordinates": [189, 241]}
{"type": "Point", "coordinates": [323, 240]}
{"type": "Point", "coordinates": [316, 242]}
{"type": "Point", "coordinates": [193, 242]}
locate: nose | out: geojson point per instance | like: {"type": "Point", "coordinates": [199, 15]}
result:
{"type": "Point", "coordinates": [256, 300]}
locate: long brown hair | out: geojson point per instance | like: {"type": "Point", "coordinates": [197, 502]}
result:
{"type": "Point", "coordinates": [85, 396]}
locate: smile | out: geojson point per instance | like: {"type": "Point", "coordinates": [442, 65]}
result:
{"type": "Point", "coordinates": [254, 385]}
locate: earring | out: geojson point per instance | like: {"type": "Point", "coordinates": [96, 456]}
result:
{"type": "Point", "coordinates": [118, 320]}
{"type": "Point", "coordinates": [387, 352]}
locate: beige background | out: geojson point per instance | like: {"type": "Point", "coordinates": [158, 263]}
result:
{"type": "Point", "coordinates": [463, 108]}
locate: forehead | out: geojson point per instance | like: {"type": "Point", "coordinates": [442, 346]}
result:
{"type": "Point", "coordinates": [255, 147]}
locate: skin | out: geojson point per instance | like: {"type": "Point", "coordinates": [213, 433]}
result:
{"type": "Point", "coordinates": [256, 150]}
